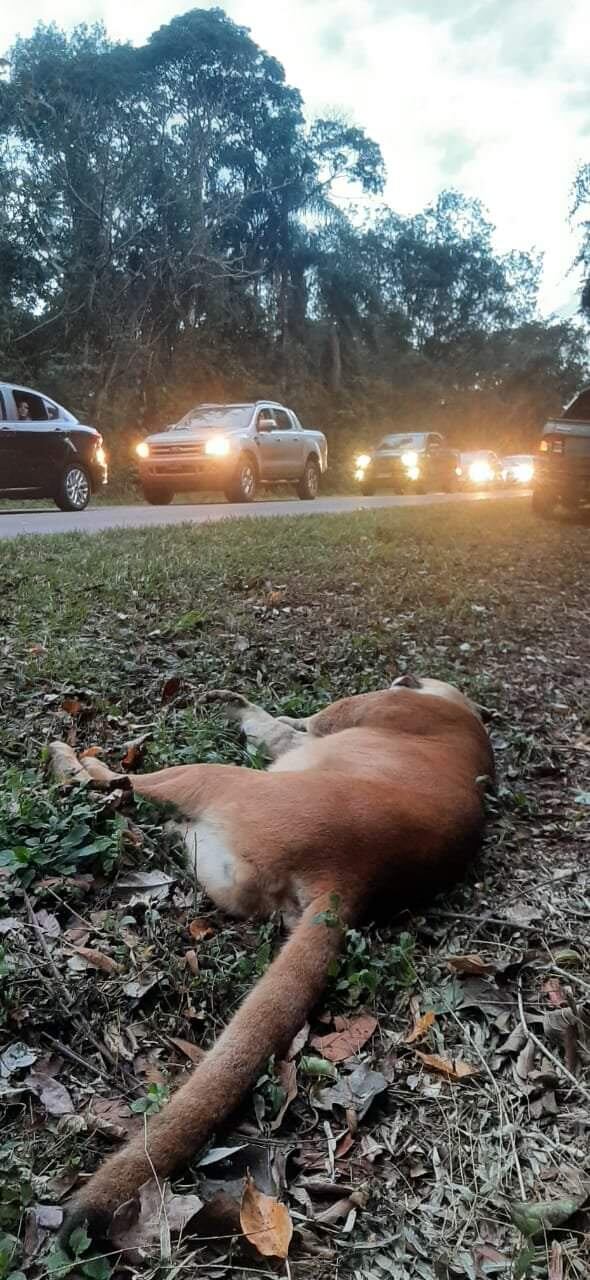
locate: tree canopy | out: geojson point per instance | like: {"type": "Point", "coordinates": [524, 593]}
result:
{"type": "Point", "coordinates": [171, 229]}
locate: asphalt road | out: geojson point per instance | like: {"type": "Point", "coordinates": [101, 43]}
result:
{"type": "Point", "coordinates": [95, 519]}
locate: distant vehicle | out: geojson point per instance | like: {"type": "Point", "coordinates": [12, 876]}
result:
{"type": "Point", "coordinates": [45, 452]}
{"type": "Point", "coordinates": [409, 462]}
{"type": "Point", "coordinates": [517, 469]}
{"type": "Point", "coordinates": [562, 468]}
{"type": "Point", "coordinates": [235, 448]}
{"type": "Point", "coordinates": [480, 469]}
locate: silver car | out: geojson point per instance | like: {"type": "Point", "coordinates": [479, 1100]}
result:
{"type": "Point", "coordinates": [233, 447]}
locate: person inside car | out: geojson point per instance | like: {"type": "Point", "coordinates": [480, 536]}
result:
{"type": "Point", "coordinates": [23, 411]}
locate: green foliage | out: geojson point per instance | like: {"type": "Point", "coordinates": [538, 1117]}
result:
{"type": "Point", "coordinates": [42, 830]}
{"type": "Point", "coordinates": [156, 1097]}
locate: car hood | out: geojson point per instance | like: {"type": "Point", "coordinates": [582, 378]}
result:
{"type": "Point", "coordinates": [192, 435]}
{"type": "Point", "coordinates": [388, 452]}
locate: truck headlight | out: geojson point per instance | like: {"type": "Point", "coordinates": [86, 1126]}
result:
{"type": "Point", "coordinates": [142, 450]}
{"type": "Point", "coordinates": [363, 461]}
{"type": "Point", "coordinates": [410, 459]}
{"type": "Point", "coordinates": [217, 447]}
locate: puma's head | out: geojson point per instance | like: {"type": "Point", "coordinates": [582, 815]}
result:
{"type": "Point", "coordinates": [437, 689]}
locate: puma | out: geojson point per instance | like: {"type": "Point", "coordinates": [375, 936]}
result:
{"type": "Point", "coordinates": [372, 801]}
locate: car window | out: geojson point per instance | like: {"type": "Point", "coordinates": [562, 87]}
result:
{"type": "Point", "coordinates": [282, 420]}
{"type": "Point", "coordinates": [2, 407]}
{"type": "Point", "coordinates": [434, 443]}
{"type": "Point", "coordinates": [29, 407]}
{"type": "Point", "coordinates": [265, 415]}
{"type": "Point", "coordinates": [53, 411]}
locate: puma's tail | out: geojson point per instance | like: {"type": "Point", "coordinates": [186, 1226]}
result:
{"type": "Point", "coordinates": [265, 1024]}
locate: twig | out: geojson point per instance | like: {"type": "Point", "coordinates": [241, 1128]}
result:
{"type": "Point", "coordinates": [74, 1057]}
{"type": "Point", "coordinates": [63, 994]}
{"type": "Point", "coordinates": [559, 1066]}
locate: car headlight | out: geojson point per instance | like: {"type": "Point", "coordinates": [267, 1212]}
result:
{"type": "Point", "coordinates": [363, 461]}
{"type": "Point", "coordinates": [142, 450]}
{"type": "Point", "coordinates": [217, 447]}
{"type": "Point", "coordinates": [100, 455]}
{"type": "Point", "coordinates": [524, 472]}
{"type": "Point", "coordinates": [413, 473]}
{"type": "Point", "coordinates": [359, 473]}
{"type": "Point", "coordinates": [480, 472]}
{"type": "Point", "coordinates": [409, 459]}
{"type": "Point", "coordinates": [458, 471]}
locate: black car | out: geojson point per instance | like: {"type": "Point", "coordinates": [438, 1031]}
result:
{"type": "Point", "coordinates": [562, 468]}
{"type": "Point", "coordinates": [412, 462]}
{"type": "Point", "coordinates": [45, 452]}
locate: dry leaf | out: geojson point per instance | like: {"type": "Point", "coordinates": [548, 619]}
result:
{"type": "Point", "coordinates": [200, 929]}
{"type": "Point", "coordinates": [555, 993]}
{"type": "Point", "coordinates": [470, 964]}
{"type": "Point", "coordinates": [92, 753]}
{"type": "Point", "coordinates": [299, 1042]}
{"type": "Point", "coordinates": [53, 1096]}
{"type": "Point", "coordinates": [139, 1224]}
{"type": "Point", "coordinates": [456, 1070]}
{"type": "Point", "coordinates": [348, 1039]}
{"type": "Point", "coordinates": [72, 706]}
{"type": "Point", "coordinates": [555, 1262]}
{"type": "Point", "coordinates": [287, 1073]}
{"type": "Point", "coordinates": [190, 1050]}
{"type": "Point", "coordinates": [98, 959]}
{"type": "Point", "coordinates": [421, 1026]}
{"type": "Point", "coordinates": [135, 751]}
{"type": "Point", "coordinates": [265, 1222]}
{"type": "Point", "coordinates": [65, 766]}
{"type": "Point", "coordinates": [192, 962]}
{"type": "Point", "coordinates": [171, 688]}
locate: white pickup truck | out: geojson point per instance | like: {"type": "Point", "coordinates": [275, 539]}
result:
{"type": "Point", "coordinates": [235, 448]}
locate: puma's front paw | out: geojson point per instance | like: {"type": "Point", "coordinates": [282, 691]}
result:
{"type": "Point", "coordinates": [232, 703]}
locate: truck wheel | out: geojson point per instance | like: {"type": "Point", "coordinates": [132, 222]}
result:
{"type": "Point", "coordinates": [544, 502]}
{"type": "Point", "coordinates": [157, 497]}
{"type": "Point", "coordinates": [75, 490]}
{"type": "Point", "coordinates": [244, 486]}
{"type": "Point", "coordinates": [309, 485]}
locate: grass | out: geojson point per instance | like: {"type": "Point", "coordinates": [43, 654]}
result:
{"type": "Point", "coordinates": [109, 639]}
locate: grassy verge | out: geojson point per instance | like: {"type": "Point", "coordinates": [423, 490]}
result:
{"type": "Point", "coordinates": [107, 640]}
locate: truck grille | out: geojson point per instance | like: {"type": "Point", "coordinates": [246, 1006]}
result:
{"type": "Point", "coordinates": [187, 450]}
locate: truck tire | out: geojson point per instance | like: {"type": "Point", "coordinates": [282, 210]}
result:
{"type": "Point", "coordinates": [244, 485]}
{"type": "Point", "coordinates": [544, 502]}
{"type": "Point", "coordinates": [309, 485]}
{"type": "Point", "coordinates": [156, 496]}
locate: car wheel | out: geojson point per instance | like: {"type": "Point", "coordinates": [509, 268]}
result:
{"type": "Point", "coordinates": [544, 502]}
{"type": "Point", "coordinates": [450, 485]}
{"type": "Point", "coordinates": [75, 489]}
{"type": "Point", "coordinates": [309, 485]}
{"type": "Point", "coordinates": [244, 485]}
{"type": "Point", "coordinates": [368, 488]}
{"type": "Point", "coordinates": [157, 497]}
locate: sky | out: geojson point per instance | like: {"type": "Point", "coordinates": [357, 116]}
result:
{"type": "Point", "coordinates": [489, 96]}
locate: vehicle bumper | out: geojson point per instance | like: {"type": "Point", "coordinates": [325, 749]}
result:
{"type": "Point", "coordinates": [187, 473]}
{"type": "Point", "coordinates": [564, 479]}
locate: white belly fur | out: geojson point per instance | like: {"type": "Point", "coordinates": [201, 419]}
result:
{"type": "Point", "coordinates": [208, 852]}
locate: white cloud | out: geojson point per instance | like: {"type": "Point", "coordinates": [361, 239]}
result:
{"type": "Point", "coordinates": [486, 95]}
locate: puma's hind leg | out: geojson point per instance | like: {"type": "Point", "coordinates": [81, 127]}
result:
{"type": "Point", "coordinates": [260, 729]}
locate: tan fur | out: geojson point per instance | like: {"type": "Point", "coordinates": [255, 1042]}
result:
{"type": "Point", "coordinates": [376, 799]}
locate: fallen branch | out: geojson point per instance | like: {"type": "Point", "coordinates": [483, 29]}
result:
{"type": "Point", "coordinates": [559, 1066]}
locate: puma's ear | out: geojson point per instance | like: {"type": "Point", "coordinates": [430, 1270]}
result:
{"type": "Point", "coordinates": [406, 681]}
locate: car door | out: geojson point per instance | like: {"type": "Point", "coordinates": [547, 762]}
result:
{"type": "Point", "coordinates": [267, 444]}
{"type": "Point", "coordinates": [434, 461]}
{"type": "Point", "coordinates": [290, 451]}
{"type": "Point", "coordinates": [35, 442]}
{"type": "Point", "coordinates": [7, 440]}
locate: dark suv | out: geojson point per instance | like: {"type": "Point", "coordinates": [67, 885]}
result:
{"type": "Point", "coordinates": [409, 462]}
{"type": "Point", "coordinates": [562, 468]}
{"type": "Point", "coordinates": [45, 452]}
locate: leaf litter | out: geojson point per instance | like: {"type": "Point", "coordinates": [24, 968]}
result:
{"type": "Point", "coordinates": [470, 1160]}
